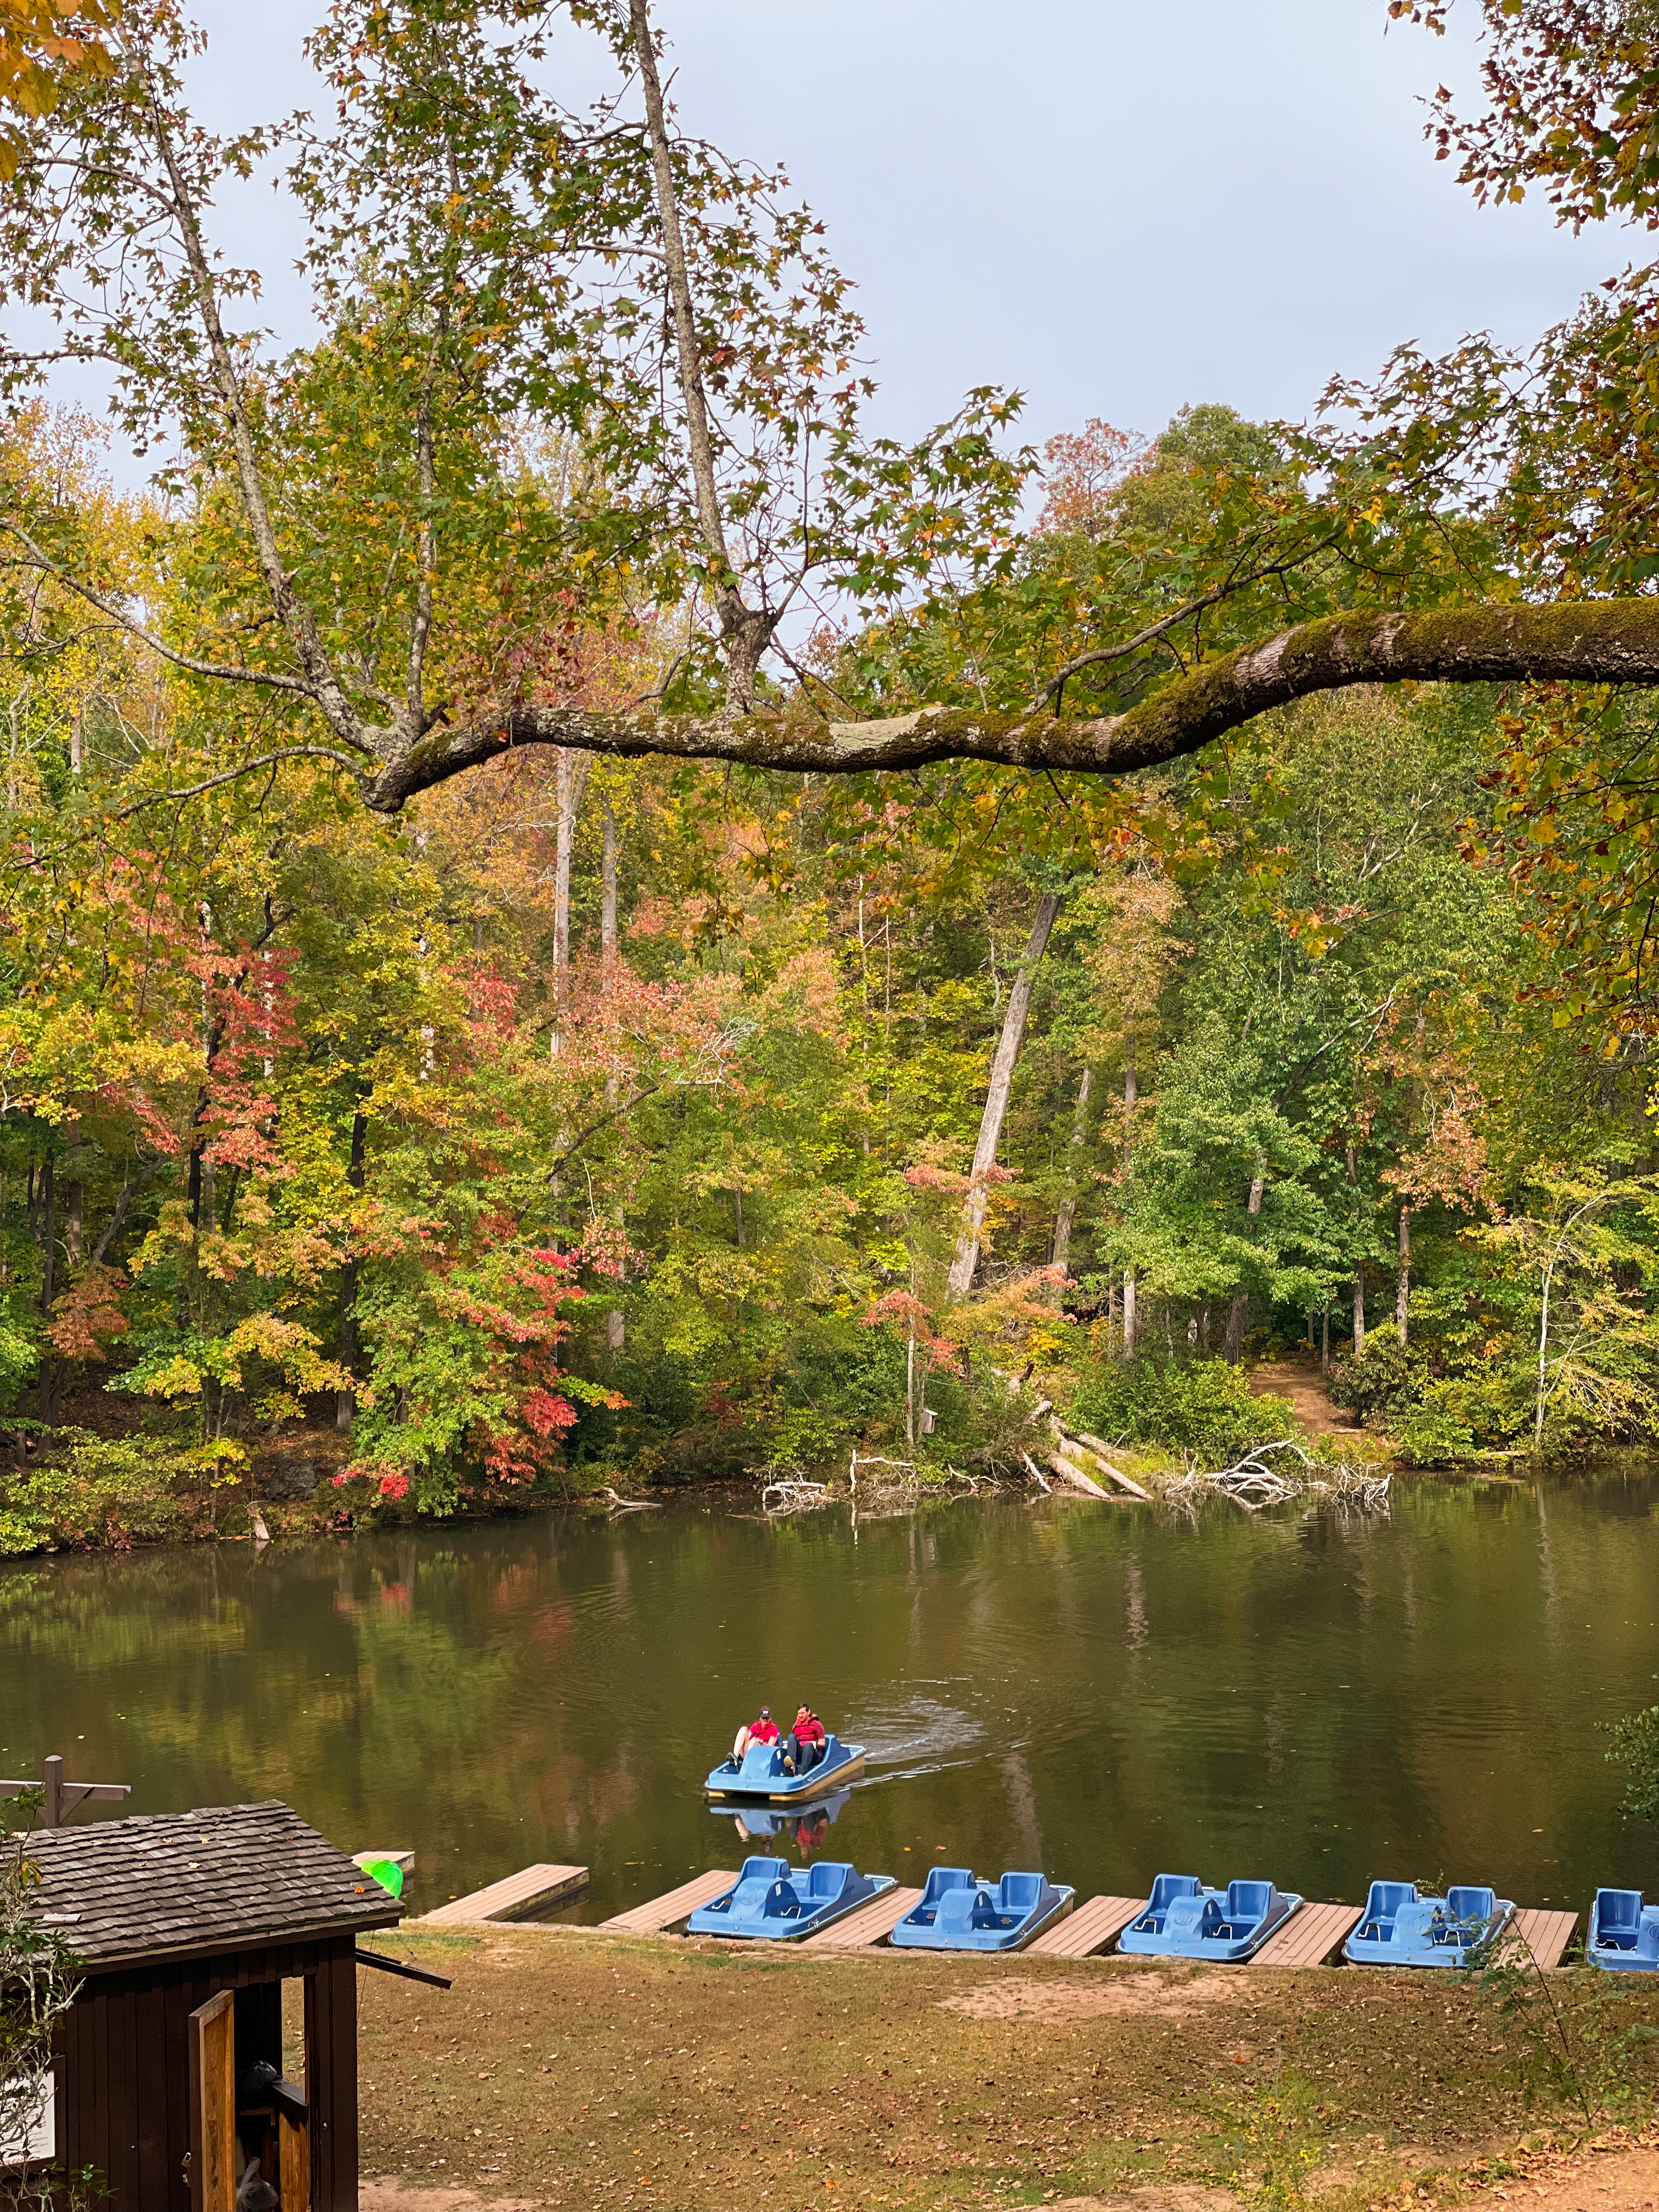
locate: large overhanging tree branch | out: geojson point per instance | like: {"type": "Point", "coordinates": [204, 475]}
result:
{"type": "Point", "coordinates": [458, 253]}
{"type": "Point", "coordinates": [1611, 641]}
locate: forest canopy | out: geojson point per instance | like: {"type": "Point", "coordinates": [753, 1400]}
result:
{"type": "Point", "coordinates": [568, 907]}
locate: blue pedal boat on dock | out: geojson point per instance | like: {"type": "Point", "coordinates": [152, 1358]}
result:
{"type": "Point", "coordinates": [957, 1911]}
{"type": "Point", "coordinates": [780, 1904]}
{"type": "Point", "coordinates": [1184, 1920]}
{"type": "Point", "coordinates": [764, 1777]}
{"type": "Point", "coordinates": [1624, 1933]}
{"type": "Point", "coordinates": [1401, 1928]}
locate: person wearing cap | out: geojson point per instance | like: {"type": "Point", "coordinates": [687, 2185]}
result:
{"type": "Point", "coordinates": [764, 1730]}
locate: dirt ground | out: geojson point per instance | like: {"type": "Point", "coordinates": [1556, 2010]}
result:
{"type": "Point", "coordinates": [567, 2068]}
{"type": "Point", "coordinates": [1303, 1385]}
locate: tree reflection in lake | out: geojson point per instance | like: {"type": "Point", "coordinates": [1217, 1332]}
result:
{"type": "Point", "coordinates": [1107, 1691]}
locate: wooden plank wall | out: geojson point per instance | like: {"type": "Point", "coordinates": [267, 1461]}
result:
{"type": "Point", "coordinates": [331, 2076]}
{"type": "Point", "coordinates": [124, 2078]}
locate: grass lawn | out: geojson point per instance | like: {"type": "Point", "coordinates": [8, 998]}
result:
{"type": "Point", "coordinates": [571, 2069]}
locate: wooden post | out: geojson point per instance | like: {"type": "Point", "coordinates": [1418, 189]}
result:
{"type": "Point", "coordinates": [62, 1797]}
{"type": "Point", "coordinates": [293, 2163]}
{"type": "Point", "coordinates": [213, 2105]}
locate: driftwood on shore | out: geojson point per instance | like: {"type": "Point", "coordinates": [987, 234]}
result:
{"type": "Point", "coordinates": [786, 1494]}
{"type": "Point", "coordinates": [1255, 1480]}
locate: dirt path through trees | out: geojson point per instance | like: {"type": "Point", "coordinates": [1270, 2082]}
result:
{"type": "Point", "coordinates": [1304, 1387]}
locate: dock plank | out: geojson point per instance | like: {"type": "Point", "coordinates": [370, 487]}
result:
{"type": "Point", "coordinates": [663, 1913]}
{"type": "Point", "coordinates": [865, 1928]}
{"type": "Point", "coordinates": [1309, 1936]}
{"type": "Point", "coordinates": [1545, 1934]}
{"type": "Point", "coordinates": [1089, 1930]}
{"type": "Point", "coordinates": [523, 1892]}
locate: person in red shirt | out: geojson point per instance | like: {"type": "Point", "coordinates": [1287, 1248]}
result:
{"type": "Point", "coordinates": [806, 1743]}
{"type": "Point", "coordinates": [764, 1730]}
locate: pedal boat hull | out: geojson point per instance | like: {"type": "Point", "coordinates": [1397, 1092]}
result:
{"type": "Point", "coordinates": [773, 1902]}
{"type": "Point", "coordinates": [1624, 1933]}
{"type": "Point", "coordinates": [762, 1779]}
{"type": "Point", "coordinates": [1400, 1928]}
{"type": "Point", "coordinates": [957, 1911]}
{"type": "Point", "coordinates": [1185, 1920]}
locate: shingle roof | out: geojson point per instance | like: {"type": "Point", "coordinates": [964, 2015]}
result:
{"type": "Point", "coordinates": [228, 1878]}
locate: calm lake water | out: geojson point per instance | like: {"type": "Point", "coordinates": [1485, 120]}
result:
{"type": "Point", "coordinates": [1102, 1693]}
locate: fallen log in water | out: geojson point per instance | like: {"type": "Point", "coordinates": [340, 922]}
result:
{"type": "Point", "coordinates": [1069, 1471]}
{"type": "Point", "coordinates": [1078, 1447]}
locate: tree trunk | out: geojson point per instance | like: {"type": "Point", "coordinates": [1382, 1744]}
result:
{"type": "Point", "coordinates": [996, 1098]}
{"type": "Point", "coordinates": [569, 779]}
{"type": "Point", "coordinates": [608, 894]}
{"type": "Point", "coordinates": [48, 1235]}
{"type": "Point", "coordinates": [1325, 1341]}
{"type": "Point", "coordinates": [1131, 1093]}
{"type": "Point", "coordinates": [1067, 1211]}
{"type": "Point", "coordinates": [1403, 1295]}
{"type": "Point", "coordinates": [910, 1387]}
{"type": "Point", "coordinates": [1358, 1269]}
{"type": "Point", "coordinates": [345, 1401]}
{"type": "Point", "coordinates": [745, 631]}
{"type": "Point", "coordinates": [615, 1324]}
{"type": "Point", "coordinates": [1239, 1305]}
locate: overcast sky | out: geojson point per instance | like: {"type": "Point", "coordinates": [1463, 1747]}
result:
{"type": "Point", "coordinates": [1116, 207]}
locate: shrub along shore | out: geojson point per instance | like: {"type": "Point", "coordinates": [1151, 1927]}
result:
{"type": "Point", "coordinates": [145, 1480]}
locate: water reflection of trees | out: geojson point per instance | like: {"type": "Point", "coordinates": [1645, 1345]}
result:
{"type": "Point", "coordinates": [1117, 1691]}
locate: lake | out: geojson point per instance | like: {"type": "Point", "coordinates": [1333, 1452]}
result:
{"type": "Point", "coordinates": [1104, 1693]}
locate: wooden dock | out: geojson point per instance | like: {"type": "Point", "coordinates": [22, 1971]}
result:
{"type": "Point", "coordinates": [521, 1893]}
{"type": "Point", "coordinates": [1089, 1930]}
{"type": "Point", "coordinates": [1313, 1935]}
{"type": "Point", "coordinates": [865, 1929]}
{"type": "Point", "coordinates": [1545, 1934]}
{"type": "Point", "coordinates": [665, 1912]}
{"type": "Point", "coordinates": [1309, 1936]}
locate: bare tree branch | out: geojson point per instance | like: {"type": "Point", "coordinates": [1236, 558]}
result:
{"type": "Point", "coordinates": [227, 671]}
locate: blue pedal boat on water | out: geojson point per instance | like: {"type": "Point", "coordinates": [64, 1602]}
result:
{"type": "Point", "coordinates": [780, 1903]}
{"type": "Point", "coordinates": [1401, 1928]}
{"type": "Point", "coordinates": [763, 1775]}
{"type": "Point", "coordinates": [957, 1911]}
{"type": "Point", "coordinates": [1184, 1920]}
{"type": "Point", "coordinates": [1624, 1933]}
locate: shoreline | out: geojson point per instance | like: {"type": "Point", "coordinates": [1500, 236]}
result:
{"type": "Point", "coordinates": [157, 1524]}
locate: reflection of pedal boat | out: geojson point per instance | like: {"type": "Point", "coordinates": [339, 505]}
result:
{"type": "Point", "coordinates": [772, 1900]}
{"type": "Point", "coordinates": [763, 1821]}
{"type": "Point", "coordinates": [762, 1773]}
{"type": "Point", "coordinates": [959, 1913]}
{"type": "Point", "coordinates": [1401, 1928]}
{"type": "Point", "coordinates": [1184, 1920]}
{"type": "Point", "coordinates": [1624, 1933]}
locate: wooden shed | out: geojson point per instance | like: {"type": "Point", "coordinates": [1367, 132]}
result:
{"type": "Point", "coordinates": [188, 1925]}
